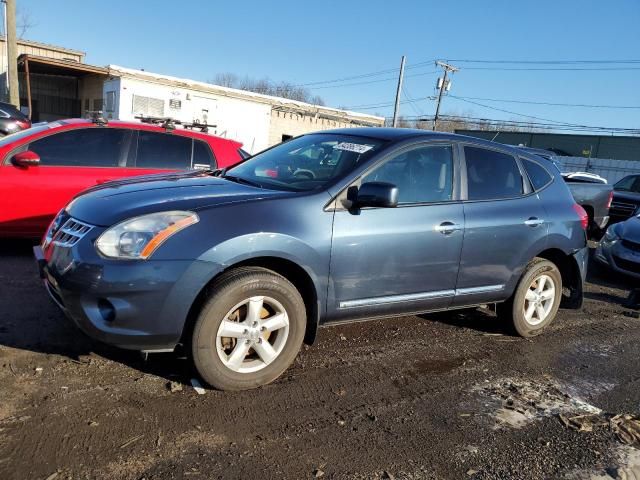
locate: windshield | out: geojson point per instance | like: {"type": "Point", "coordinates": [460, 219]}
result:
{"type": "Point", "coordinates": [305, 163]}
{"type": "Point", "coordinates": [628, 184]}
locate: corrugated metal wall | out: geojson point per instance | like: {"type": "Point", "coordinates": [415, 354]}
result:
{"type": "Point", "coordinates": [612, 170]}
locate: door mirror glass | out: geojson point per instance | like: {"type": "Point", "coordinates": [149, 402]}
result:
{"type": "Point", "coordinates": [377, 194]}
{"type": "Point", "coordinates": [26, 159]}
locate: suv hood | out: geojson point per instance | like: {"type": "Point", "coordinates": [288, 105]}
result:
{"type": "Point", "coordinates": [113, 202]}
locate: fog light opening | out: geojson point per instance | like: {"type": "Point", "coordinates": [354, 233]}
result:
{"type": "Point", "coordinates": [106, 309]}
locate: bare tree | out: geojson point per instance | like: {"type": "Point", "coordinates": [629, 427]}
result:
{"type": "Point", "coordinates": [25, 23]}
{"type": "Point", "coordinates": [267, 87]}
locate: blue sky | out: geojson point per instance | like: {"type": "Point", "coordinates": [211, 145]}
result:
{"type": "Point", "coordinates": [303, 42]}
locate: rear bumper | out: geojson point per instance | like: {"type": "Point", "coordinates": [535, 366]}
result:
{"type": "Point", "coordinates": [140, 305]}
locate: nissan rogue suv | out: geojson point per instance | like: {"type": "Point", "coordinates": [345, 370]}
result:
{"type": "Point", "coordinates": [242, 265]}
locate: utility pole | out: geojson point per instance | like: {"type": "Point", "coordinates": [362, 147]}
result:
{"type": "Point", "coordinates": [396, 110]}
{"type": "Point", "coordinates": [443, 84]}
{"type": "Point", "coordinates": [12, 53]}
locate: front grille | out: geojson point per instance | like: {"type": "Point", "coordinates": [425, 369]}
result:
{"type": "Point", "coordinates": [626, 264]}
{"type": "Point", "coordinates": [631, 245]}
{"type": "Point", "coordinates": [622, 209]}
{"type": "Point", "coordinates": [71, 233]}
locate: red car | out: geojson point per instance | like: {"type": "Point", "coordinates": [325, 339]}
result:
{"type": "Point", "coordinates": [42, 168]}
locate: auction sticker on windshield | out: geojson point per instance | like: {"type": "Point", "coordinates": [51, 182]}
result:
{"type": "Point", "coordinates": [353, 147]}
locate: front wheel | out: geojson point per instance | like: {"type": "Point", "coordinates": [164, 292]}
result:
{"type": "Point", "coordinates": [535, 302]}
{"type": "Point", "coordinates": [249, 331]}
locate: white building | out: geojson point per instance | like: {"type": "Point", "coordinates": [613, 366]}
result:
{"type": "Point", "coordinates": [55, 83]}
{"type": "Point", "coordinates": [256, 120]}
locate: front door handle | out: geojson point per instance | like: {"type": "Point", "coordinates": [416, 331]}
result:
{"type": "Point", "coordinates": [447, 228]}
{"type": "Point", "coordinates": [534, 222]}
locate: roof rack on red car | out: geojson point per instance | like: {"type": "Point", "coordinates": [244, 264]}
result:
{"type": "Point", "coordinates": [170, 123]}
{"type": "Point", "coordinates": [165, 122]}
{"type": "Point", "coordinates": [96, 117]}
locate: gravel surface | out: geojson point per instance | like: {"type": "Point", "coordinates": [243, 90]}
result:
{"type": "Point", "coordinates": [449, 395]}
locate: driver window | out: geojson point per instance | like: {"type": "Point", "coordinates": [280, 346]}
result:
{"type": "Point", "coordinates": [422, 175]}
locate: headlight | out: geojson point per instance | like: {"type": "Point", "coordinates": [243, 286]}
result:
{"type": "Point", "coordinates": [138, 237]}
{"type": "Point", "coordinates": [611, 235]}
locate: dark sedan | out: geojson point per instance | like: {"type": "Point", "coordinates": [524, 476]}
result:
{"type": "Point", "coordinates": [620, 247]}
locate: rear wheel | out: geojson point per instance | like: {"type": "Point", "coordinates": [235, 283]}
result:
{"type": "Point", "coordinates": [249, 331]}
{"type": "Point", "coordinates": [536, 300]}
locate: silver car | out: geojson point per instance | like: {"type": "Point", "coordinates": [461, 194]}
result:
{"type": "Point", "coordinates": [620, 247]}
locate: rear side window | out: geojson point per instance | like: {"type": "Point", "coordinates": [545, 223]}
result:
{"type": "Point", "coordinates": [86, 147]}
{"type": "Point", "coordinates": [537, 174]}
{"type": "Point", "coordinates": [163, 151]}
{"type": "Point", "coordinates": [491, 175]}
{"type": "Point", "coordinates": [202, 157]}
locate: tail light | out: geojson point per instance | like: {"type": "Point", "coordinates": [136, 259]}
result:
{"type": "Point", "coordinates": [610, 199]}
{"type": "Point", "coordinates": [582, 213]}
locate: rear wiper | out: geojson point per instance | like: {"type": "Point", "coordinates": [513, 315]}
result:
{"type": "Point", "coordinates": [233, 178]}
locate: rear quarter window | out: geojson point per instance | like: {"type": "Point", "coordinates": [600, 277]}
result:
{"type": "Point", "coordinates": [202, 155]}
{"type": "Point", "coordinates": [538, 175]}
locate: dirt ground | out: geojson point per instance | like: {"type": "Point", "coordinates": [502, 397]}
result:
{"type": "Point", "coordinates": [445, 396]}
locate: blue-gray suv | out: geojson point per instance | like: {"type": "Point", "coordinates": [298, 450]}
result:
{"type": "Point", "coordinates": [242, 266]}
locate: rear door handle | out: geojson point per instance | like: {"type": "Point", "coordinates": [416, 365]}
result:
{"type": "Point", "coordinates": [534, 222]}
{"type": "Point", "coordinates": [447, 228]}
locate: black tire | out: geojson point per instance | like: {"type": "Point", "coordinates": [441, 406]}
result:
{"type": "Point", "coordinates": [513, 310]}
{"type": "Point", "coordinates": [231, 289]}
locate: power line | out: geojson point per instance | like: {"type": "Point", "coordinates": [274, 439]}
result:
{"type": "Point", "coordinates": [364, 75]}
{"type": "Point", "coordinates": [395, 79]}
{"type": "Point", "coordinates": [562, 69]}
{"type": "Point", "coordinates": [531, 102]}
{"type": "Point", "coordinates": [505, 111]}
{"type": "Point", "coordinates": [548, 62]}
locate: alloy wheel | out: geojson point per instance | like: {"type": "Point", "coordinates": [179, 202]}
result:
{"type": "Point", "coordinates": [539, 299]}
{"type": "Point", "coordinates": [252, 334]}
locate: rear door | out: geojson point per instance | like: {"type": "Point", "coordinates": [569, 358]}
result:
{"type": "Point", "coordinates": [70, 161]}
{"type": "Point", "coordinates": [504, 225]}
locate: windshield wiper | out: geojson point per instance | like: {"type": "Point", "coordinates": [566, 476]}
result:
{"type": "Point", "coordinates": [233, 178]}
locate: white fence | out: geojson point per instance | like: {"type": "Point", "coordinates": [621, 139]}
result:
{"type": "Point", "coordinates": [612, 170]}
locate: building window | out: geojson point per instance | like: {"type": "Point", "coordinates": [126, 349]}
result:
{"type": "Point", "coordinates": [175, 104]}
{"type": "Point", "coordinates": [97, 104]}
{"type": "Point", "coordinates": [111, 101]}
{"type": "Point", "coordinates": [148, 106]}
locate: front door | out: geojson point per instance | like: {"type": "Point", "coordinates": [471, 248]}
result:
{"type": "Point", "coordinates": [386, 261]}
{"type": "Point", "coordinates": [70, 161]}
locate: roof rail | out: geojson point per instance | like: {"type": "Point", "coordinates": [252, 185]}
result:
{"type": "Point", "coordinates": [96, 117]}
{"type": "Point", "coordinates": [170, 123]}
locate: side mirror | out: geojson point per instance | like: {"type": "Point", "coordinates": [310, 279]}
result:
{"type": "Point", "coordinates": [26, 159]}
{"type": "Point", "coordinates": [377, 194]}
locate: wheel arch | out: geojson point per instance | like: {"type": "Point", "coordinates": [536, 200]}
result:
{"type": "Point", "coordinates": [570, 273]}
{"type": "Point", "coordinates": [289, 269]}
